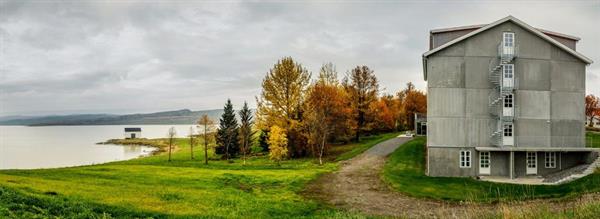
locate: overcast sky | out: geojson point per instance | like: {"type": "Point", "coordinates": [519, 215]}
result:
{"type": "Point", "coordinates": [61, 57]}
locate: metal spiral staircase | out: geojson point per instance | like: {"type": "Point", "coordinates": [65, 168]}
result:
{"type": "Point", "coordinates": [502, 89]}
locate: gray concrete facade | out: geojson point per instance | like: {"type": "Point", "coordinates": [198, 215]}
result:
{"type": "Point", "coordinates": [549, 101]}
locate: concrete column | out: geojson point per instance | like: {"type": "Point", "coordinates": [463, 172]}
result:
{"type": "Point", "coordinates": [512, 165]}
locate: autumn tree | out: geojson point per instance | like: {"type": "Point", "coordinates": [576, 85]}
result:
{"type": "Point", "coordinates": [381, 115]}
{"type": "Point", "coordinates": [413, 101]}
{"type": "Point", "coordinates": [324, 110]}
{"type": "Point", "coordinates": [592, 108]}
{"type": "Point", "coordinates": [245, 133]}
{"type": "Point", "coordinates": [281, 99]}
{"type": "Point", "coordinates": [192, 142]}
{"type": "Point", "coordinates": [206, 124]}
{"type": "Point", "coordinates": [277, 144]}
{"type": "Point", "coordinates": [227, 135]}
{"type": "Point", "coordinates": [362, 88]}
{"type": "Point", "coordinates": [171, 137]}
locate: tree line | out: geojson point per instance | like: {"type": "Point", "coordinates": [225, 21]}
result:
{"type": "Point", "coordinates": [299, 115]}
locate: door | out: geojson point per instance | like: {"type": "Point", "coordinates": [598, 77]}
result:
{"type": "Point", "coordinates": [507, 137]}
{"type": "Point", "coordinates": [484, 163]}
{"type": "Point", "coordinates": [508, 71]}
{"type": "Point", "coordinates": [508, 43]}
{"type": "Point", "coordinates": [132, 135]}
{"type": "Point", "coordinates": [507, 109]}
{"type": "Point", "coordinates": [531, 163]}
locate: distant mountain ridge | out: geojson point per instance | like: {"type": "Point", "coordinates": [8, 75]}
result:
{"type": "Point", "coordinates": [184, 116]}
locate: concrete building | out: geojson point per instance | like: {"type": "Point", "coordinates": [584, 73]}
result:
{"type": "Point", "coordinates": [420, 124]}
{"type": "Point", "coordinates": [504, 99]}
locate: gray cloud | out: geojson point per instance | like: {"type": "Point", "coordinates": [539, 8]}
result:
{"type": "Point", "coordinates": [129, 56]}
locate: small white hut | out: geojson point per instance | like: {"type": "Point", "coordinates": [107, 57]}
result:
{"type": "Point", "coordinates": [133, 132]}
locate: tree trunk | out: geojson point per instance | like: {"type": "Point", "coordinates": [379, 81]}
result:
{"type": "Point", "coordinates": [170, 147]}
{"type": "Point", "coordinates": [591, 121]}
{"type": "Point", "coordinates": [359, 124]}
{"type": "Point", "coordinates": [322, 149]}
{"type": "Point", "coordinates": [244, 149]}
{"type": "Point", "coordinates": [205, 146]}
{"type": "Point", "coordinates": [192, 146]}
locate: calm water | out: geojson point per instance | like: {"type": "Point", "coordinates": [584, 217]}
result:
{"type": "Point", "coordinates": [24, 147]}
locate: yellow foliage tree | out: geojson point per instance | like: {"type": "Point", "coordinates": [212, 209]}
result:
{"type": "Point", "coordinates": [282, 94]}
{"type": "Point", "coordinates": [280, 101]}
{"type": "Point", "coordinates": [277, 144]}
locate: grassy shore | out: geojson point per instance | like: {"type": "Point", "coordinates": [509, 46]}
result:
{"type": "Point", "coordinates": [153, 187]}
{"type": "Point", "coordinates": [405, 172]}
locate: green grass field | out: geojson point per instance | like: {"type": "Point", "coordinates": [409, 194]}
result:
{"type": "Point", "coordinates": [153, 187]}
{"type": "Point", "coordinates": [592, 139]}
{"type": "Point", "coordinates": [405, 172]}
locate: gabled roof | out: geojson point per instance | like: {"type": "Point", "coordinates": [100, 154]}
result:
{"type": "Point", "coordinates": [477, 26]}
{"type": "Point", "coordinates": [498, 22]}
{"type": "Point", "coordinates": [133, 129]}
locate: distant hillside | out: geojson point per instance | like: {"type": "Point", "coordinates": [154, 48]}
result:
{"type": "Point", "coordinates": [184, 116]}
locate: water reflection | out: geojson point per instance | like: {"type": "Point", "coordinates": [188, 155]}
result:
{"type": "Point", "coordinates": [62, 146]}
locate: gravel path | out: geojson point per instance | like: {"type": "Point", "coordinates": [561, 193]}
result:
{"type": "Point", "coordinates": [357, 186]}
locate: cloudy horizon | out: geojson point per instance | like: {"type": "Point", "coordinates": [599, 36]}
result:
{"type": "Point", "coordinates": [65, 57]}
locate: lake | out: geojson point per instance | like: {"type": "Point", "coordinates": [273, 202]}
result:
{"type": "Point", "coordinates": [23, 147]}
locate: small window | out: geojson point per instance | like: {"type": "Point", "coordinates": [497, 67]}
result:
{"type": "Point", "coordinates": [508, 101]}
{"type": "Point", "coordinates": [508, 130]}
{"type": "Point", "coordinates": [550, 159]}
{"type": "Point", "coordinates": [508, 70]}
{"type": "Point", "coordinates": [465, 159]}
{"type": "Point", "coordinates": [509, 39]}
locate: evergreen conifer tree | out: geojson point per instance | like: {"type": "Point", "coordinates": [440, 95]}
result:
{"type": "Point", "coordinates": [227, 136]}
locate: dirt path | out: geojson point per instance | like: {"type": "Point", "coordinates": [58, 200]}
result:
{"type": "Point", "coordinates": [357, 186]}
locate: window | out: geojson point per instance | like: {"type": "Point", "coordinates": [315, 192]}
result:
{"type": "Point", "coordinates": [508, 130]}
{"type": "Point", "coordinates": [508, 101]}
{"type": "Point", "coordinates": [465, 159]}
{"type": "Point", "coordinates": [550, 159]}
{"type": "Point", "coordinates": [484, 159]}
{"type": "Point", "coordinates": [509, 39]}
{"type": "Point", "coordinates": [508, 70]}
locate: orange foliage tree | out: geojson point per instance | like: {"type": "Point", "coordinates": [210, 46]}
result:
{"type": "Point", "coordinates": [362, 88]}
{"type": "Point", "coordinates": [413, 101]}
{"type": "Point", "coordinates": [592, 108]}
{"type": "Point", "coordinates": [325, 112]}
{"type": "Point", "coordinates": [382, 115]}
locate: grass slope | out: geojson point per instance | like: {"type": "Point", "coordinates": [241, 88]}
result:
{"type": "Point", "coordinates": [153, 187]}
{"type": "Point", "coordinates": [405, 172]}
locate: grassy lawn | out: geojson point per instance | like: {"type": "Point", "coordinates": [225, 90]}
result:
{"type": "Point", "coordinates": [153, 187]}
{"type": "Point", "coordinates": [405, 172]}
{"type": "Point", "coordinates": [592, 139]}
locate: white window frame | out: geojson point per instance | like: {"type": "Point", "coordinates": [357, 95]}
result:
{"type": "Point", "coordinates": [550, 160]}
{"type": "Point", "coordinates": [508, 101]}
{"type": "Point", "coordinates": [508, 39]}
{"type": "Point", "coordinates": [465, 159]}
{"type": "Point", "coordinates": [531, 162]}
{"type": "Point", "coordinates": [508, 70]}
{"type": "Point", "coordinates": [507, 130]}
